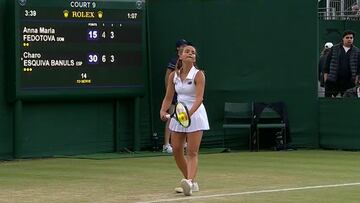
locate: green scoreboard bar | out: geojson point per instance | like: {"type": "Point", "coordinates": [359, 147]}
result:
{"type": "Point", "coordinates": [78, 49]}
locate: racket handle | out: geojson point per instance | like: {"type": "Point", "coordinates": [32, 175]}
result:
{"type": "Point", "coordinates": [167, 116]}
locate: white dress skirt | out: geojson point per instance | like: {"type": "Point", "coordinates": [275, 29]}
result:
{"type": "Point", "coordinates": [186, 93]}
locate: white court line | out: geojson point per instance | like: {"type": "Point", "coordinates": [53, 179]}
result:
{"type": "Point", "coordinates": [252, 192]}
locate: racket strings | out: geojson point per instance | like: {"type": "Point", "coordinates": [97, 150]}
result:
{"type": "Point", "coordinates": [182, 115]}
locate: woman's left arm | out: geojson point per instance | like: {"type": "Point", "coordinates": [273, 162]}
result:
{"type": "Point", "coordinates": [199, 91]}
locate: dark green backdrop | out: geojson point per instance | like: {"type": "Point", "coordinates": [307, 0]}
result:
{"type": "Point", "coordinates": [6, 131]}
{"type": "Point", "coordinates": [338, 123]}
{"type": "Point", "coordinates": [251, 50]}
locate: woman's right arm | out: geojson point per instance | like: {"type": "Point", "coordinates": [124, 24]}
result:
{"type": "Point", "coordinates": [170, 91]}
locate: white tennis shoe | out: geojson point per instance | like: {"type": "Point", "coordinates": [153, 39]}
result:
{"type": "Point", "coordinates": [195, 188]}
{"type": "Point", "coordinates": [187, 187]}
{"type": "Point", "coordinates": [167, 149]}
{"type": "Point", "coordinates": [178, 190]}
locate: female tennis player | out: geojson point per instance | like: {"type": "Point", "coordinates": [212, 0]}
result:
{"type": "Point", "coordinates": [189, 84]}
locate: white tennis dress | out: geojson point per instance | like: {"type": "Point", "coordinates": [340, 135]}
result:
{"type": "Point", "coordinates": [186, 93]}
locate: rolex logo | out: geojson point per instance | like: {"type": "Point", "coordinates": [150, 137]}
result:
{"type": "Point", "coordinates": [66, 13]}
{"type": "Point", "coordinates": [100, 14]}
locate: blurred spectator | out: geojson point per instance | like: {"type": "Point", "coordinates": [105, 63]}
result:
{"type": "Point", "coordinates": [322, 60]}
{"type": "Point", "coordinates": [321, 64]}
{"type": "Point", "coordinates": [355, 10]}
{"type": "Point", "coordinates": [342, 67]}
{"type": "Point", "coordinates": [353, 92]}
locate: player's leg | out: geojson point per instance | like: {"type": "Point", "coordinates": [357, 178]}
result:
{"type": "Point", "coordinates": [178, 140]}
{"type": "Point", "coordinates": [192, 151]}
{"type": "Point", "coordinates": [193, 145]}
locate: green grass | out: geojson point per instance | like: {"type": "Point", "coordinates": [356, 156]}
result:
{"type": "Point", "coordinates": [154, 178]}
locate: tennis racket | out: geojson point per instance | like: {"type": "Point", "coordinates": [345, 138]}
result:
{"type": "Point", "coordinates": [181, 114]}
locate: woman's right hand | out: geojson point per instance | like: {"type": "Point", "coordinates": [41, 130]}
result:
{"type": "Point", "coordinates": [163, 115]}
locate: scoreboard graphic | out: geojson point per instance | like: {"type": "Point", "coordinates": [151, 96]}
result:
{"type": "Point", "coordinates": [68, 47]}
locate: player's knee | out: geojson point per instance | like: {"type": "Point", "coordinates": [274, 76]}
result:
{"type": "Point", "coordinates": [192, 153]}
{"type": "Point", "coordinates": [177, 148]}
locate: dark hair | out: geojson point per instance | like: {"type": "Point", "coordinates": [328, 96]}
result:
{"type": "Point", "coordinates": [179, 64]}
{"type": "Point", "coordinates": [181, 42]}
{"type": "Point", "coordinates": [348, 32]}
